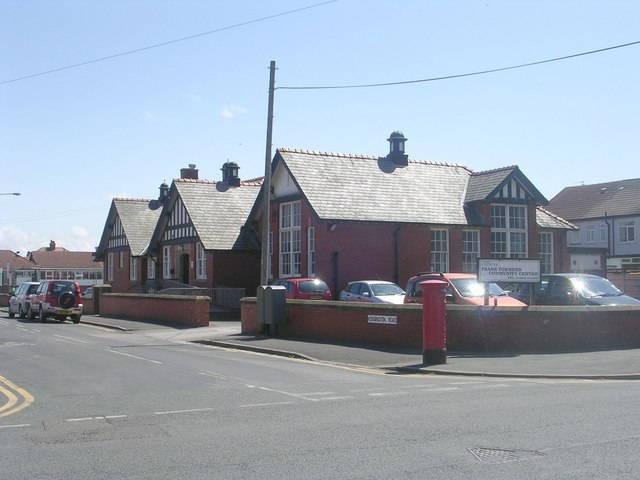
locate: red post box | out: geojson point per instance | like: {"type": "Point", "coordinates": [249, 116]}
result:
{"type": "Point", "coordinates": [434, 330]}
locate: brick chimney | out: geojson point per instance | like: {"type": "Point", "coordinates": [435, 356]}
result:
{"type": "Point", "coordinates": [191, 172]}
{"type": "Point", "coordinates": [52, 245]}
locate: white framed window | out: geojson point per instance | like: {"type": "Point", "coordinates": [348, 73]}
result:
{"type": "Point", "coordinates": [627, 232]}
{"type": "Point", "coordinates": [508, 231]}
{"type": "Point", "coordinates": [545, 251]}
{"type": "Point", "coordinates": [151, 268]}
{"type": "Point", "coordinates": [591, 233]}
{"type": "Point", "coordinates": [133, 268]}
{"type": "Point", "coordinates": [470, 250]}
{"type": "Point", "coordinates": [439, 250]}
{"type": "Point", "coordinates": [603, 232]}
{"type": "Point", "coordinates": [311, 254]}
{"type": "Point", "coordinates": [121, 260]}
{"type": "Point", "coordinates": [201, 262]}
{"type": "Point", "coordinates": [110, 267]}
{"type": "Point", "coordinates": [290, 259]}
{"type": "Point", "coordinates": [166, 262]}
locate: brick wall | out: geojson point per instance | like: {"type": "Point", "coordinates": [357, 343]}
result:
{"type": "Point", "coordinates": [191, 311]}
{"type": "Point", "coordinates": [469, 329]}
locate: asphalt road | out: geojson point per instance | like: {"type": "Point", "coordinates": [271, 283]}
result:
{"type": "Point", "coordinates": [79, 402]}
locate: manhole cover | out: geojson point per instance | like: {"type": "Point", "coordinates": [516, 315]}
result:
{"type": "Point", "coordinates": [502, 455]}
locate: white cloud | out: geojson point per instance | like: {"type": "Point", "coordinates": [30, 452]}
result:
{"type": "Point", "coordinates": [75, 239]}
{"type": "Point", "coordinates": [152, 117]}
{"type": "Point", "coordinates": [231, 111]}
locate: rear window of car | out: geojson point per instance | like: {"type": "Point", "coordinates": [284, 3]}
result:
{"type": "Point", "coordinates": [59, 287]}
{"type": "Point", "coordinates": [310, 286]}
{"type": "Point", "coordinates": [32, 288]}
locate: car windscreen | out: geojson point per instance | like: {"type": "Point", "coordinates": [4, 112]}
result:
{"type": "Point", "coordinates": [32, 289]}
{"type": "Point", "coordinates": [310, 286]}
{"type": "Point", "coordinates": [382, 289]}
{"type": "Point", "coordinates": [470, 287]}
{"type": "Point", "coordinates": [590, 287]}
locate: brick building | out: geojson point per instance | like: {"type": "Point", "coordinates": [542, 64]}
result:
{"type": "Point", "coordinates": [344, 217]}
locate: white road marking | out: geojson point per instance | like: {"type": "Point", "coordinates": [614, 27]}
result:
{"type": "Point", "coordinates": [347, 397]}
{"type": "Point", "coordinates": [70, 338]}
{"type": "Point", "coordinates": [133, 356]}
{"type": "Point", "coordinates": [265, 404]}
{"type": "Point", "coordinates": [16, 426]}
{"type": "Point", "coordinates": [84, 419]}
{"type": "Point", "coordinates": [99, 417]}
{"type": "Point", "coordinates": [214, 375]}
{"type": "Point", "coordinates": [387, 394]}
{"type": "Point", "coordinates": [282, 392]}
{"type": "Point", "coordinates": [184, 411]}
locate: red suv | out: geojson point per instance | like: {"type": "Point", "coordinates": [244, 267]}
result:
{"type": "Point", "coordinates": [305, 288]}
{"type": "Point", "coordinates": [58, 299]}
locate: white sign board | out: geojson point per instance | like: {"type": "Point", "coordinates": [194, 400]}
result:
{"type": "Point", "coordinates": [386, 319]}
{"type": "Point", "coordinates": [501, 270]}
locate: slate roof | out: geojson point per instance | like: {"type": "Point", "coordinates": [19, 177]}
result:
{"type": "Point", "coordinates": [365, 188]}
{"type": "Point", "coordinates": [139, 219]}
{"type": "Point", "coordinates": [218, 212]}
{"type": "Point", "coordinates": [547, 219]}
{"type": "Point", "coordinates": [618, 198]}
{"type": "Point", "coordinates": [484, 185]}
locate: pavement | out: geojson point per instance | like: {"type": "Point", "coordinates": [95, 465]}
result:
{"type": "Point", "coordinates": [593, 365]}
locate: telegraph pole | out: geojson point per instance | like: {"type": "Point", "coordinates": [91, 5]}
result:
{"type": "Point", "coordinates": [266, 186]}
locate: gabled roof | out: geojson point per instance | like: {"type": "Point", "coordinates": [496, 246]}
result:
{"type": "Point", "coordinates": [217, 211]}
{"type": "Point", "coordinates": [485, 186]}
{"type": "Point", "coordinates": [372, 189]}
{"type": "Point", "coordinates": [547, 219]}
{"type": "Point", "coordinates": [138, 218]}
{"type": "Point", "coordinates": [618, 198]}
{"type": "Point", "coordinates": [15, 261]}
{"type": "Point", "coordinates": [62, 258]}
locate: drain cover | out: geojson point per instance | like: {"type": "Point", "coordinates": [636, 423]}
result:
{"type": "Point", "coordinates": [501, 455]}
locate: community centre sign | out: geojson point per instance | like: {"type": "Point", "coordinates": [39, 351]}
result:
{"type": "Point", "coordinates": [501, 270]}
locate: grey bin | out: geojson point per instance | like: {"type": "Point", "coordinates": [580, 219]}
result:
{"type": "Point", "coordinates": [272, 303]}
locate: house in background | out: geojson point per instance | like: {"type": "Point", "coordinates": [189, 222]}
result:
{"type": "Point", "coordinates": [608, 217]}
{"type": "Point", "coordinates": [125, 241]}
{"type": "Point", "coordinates": [15, 269]}
{"type": "Point", "coordinates": [344, 217]}
{"type": "Point", "coordinates": [57, 263]}
{"type": "Point", "coordinates": [201, 238]}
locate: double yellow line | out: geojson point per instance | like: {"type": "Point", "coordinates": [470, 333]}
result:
{"type": "Point", "coordinates": [17, 398]}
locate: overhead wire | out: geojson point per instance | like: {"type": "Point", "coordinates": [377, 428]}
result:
{"type": "Point", "coordinates": [163, 44]}
{"type": "Point", "coordinates": [461, 75]}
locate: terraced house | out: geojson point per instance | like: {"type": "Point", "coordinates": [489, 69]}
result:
{"type": "Point", "coordinates": [344, 217]}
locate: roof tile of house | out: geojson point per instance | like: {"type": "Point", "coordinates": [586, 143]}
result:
{"type": "Point", "coordinates": [618, 198]}
{"type": "Point", "coordinates": [366, 188]}
{"type": "Point", "coordinates": [139, 218]}
{"type": "Point", "coordinates": [218, 212]}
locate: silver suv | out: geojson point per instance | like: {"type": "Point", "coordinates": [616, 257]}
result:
{"type": "Point", "coordinates": [20, 301]}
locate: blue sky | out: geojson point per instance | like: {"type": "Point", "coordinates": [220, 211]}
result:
{"type": "Point", "coordinates": [71, 140]}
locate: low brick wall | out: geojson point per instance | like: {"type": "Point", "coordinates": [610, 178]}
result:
{"type": "Point", "coordinates": [192, 311]}
{"type": "Point", "coordinates": [4, 299]}
{"type": "Point", "coordinates": [535, 329]}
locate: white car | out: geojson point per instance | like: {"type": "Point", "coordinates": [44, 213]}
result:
{"type": "Point", "coordinates": [21, 300]}
{"type": "Point", "coordinates": [373, 291]}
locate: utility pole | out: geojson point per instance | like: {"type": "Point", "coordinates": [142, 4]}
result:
{"type": "Point", "coordinates": [266, 190]}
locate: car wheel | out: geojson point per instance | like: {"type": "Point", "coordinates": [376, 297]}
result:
{"type": "Point", "coordinates": [11, 314]}
{"type": "Point", "coordinates": [41, 315]}
{"type": "Point", "coordinates": [21, 312]}
{"type": "Point", "coordinates": [75, 318]}
{"type": "Point", "coordinates": [31, 314]}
